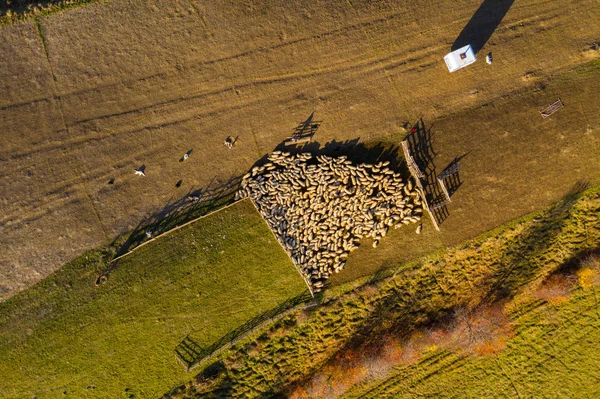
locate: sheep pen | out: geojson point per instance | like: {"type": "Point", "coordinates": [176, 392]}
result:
{"type": "Point", "coordinates": [320, 207]}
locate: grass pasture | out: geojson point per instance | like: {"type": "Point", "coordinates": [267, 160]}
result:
{"type": "Point", "coordinates": [505, 266]}
{"type": "Point", "coordinates": [67, 337]}
{"type": "Point", "coordinates": [553, 355]}
{"type": "Point", "coordinates": [98, 90]}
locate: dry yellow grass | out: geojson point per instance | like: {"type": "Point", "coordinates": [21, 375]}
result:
{"type": "Point", "coordinates": [125, 83]}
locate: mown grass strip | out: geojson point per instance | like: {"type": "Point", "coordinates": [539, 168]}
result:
{"type": "Point", "coordinates": [551, 355]}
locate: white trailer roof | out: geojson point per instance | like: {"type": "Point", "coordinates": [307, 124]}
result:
{"type": "Point", "coordinates": [460, 58]}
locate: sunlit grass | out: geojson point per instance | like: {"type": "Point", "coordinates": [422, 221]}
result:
{"type": "Point", "coordinates": [66, 335]}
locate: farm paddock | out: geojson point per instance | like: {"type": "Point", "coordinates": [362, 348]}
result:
{"type": "Point", "coordinates": [67, 335]}
{"type": "Point", "coordinates": [414, 330]}
{"type": "Point", "coordinates": [91, 93]}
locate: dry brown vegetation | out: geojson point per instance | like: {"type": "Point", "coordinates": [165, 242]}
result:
{"type": "Point", "coordinates": [557, 288]}
{"type": "Point", "coordinates": [92, 93]}
{"type": "Point", "coordinates": [480, 331]}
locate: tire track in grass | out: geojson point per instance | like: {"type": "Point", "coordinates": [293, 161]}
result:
{"type": "Point", "coordinates": [42, 37]}
{"type": "Point", "coordinates": [369, 66]}
{"type": "Point", "coordinates": [26, 211]}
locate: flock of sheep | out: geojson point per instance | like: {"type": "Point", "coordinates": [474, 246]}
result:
{"type": "Point", "coordinates": [320, 207]}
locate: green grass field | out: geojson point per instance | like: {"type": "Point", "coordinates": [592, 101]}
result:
{"type": "Point", "coordinates": [65, 336]}
{"type": "Point", "coordinates": [553, 355]}
{"type": "Point", "coordinates": [503, 266]}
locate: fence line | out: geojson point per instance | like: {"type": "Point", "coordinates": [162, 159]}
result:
{"type": "Point", "coordinates": [175, 228]}
{"type": "Point", "coordinates": [415, 174]}
{"type": "Point", "coordinates": [284, 250]}
{"type": "Point", "coordinates": [234, 341]}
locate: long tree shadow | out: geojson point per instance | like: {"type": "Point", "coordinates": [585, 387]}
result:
{"type": "Point", "coordinates": [411, 306]}
{"type": "Point", "coordinates": [194, 355]}
{"type": "Point", "coordinates": [514, 269]}
{"type": "Point", "coordinates": [482, 24]}
{"type": "Point", "coordinates": [518, 269]}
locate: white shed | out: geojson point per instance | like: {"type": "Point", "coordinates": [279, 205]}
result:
{"type": "Point", "coordinates": [460, 58]}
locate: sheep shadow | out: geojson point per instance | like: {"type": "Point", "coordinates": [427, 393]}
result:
{"type": "Point", "coordinates": [354, 150]}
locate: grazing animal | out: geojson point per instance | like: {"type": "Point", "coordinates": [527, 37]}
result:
{"type": "Point", "coordinates": [140, 171]}
{"type": "Point", "coordinates": [229, 142]}
{"type": "Point", "coordinates": [186, 155]}
{"type": "Point", "coordinates": [193, 198]}
{"type": "Point", "coordinates": [488, 58]}
{"type": "Point", "coordinates": [178, 184]}
{"type": "Point", "coordinates": [111, 181]}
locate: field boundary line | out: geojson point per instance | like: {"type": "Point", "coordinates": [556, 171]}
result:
{"type": "Point", "coordinates": [284, 250]}
{"type": "Point", "coordinates": [415, 174]}
{"type": "Point", "coordinates": [234, 341]}
{"type": "Point", "coordinates": [177, 228]}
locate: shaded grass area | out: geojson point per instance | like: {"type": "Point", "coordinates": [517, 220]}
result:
{"type": "Point", "coordinates": [68, 336]}
{"type": "Point", "coordinates": [553, 354]}
{"type": "Point", "coordinates": [507, 152]}
{"type": "Point", "coordinates": [193, 355]}
{"type": "Point", "coordinates": [14, 10]}
{"type": "Point", "coordinates": [504, 264]}
{"type": "Point", "coordinates": [194, 204]}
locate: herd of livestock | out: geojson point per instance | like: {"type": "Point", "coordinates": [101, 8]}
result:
{"type": "Point", "coordinates": [320, 207]}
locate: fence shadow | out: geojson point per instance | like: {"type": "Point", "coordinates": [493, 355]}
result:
{"type": "Point", "coordinates": [420, 142]}
{"type": "Point", "coordinates": [196, 203]}
{"type": "Point", "coordinates": [188, 350]}
{"type": "Point", "coordinates": [482, 24]}
{"type": "Point", "coordinates": [450, 176]}
{"type": "Point", "coordinates": [421, 145]}
{"type": "Point", "coordinates": [308, 128]}
{"type": "Point", "coordinates": [192, 358]}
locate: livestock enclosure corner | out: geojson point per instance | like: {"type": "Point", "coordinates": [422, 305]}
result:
{"type": "Point", "coordinates": [66, 335]}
